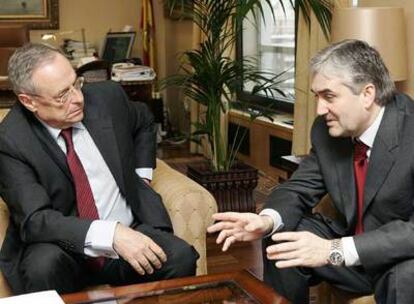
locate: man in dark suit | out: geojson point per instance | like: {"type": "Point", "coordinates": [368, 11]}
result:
{"type": "Point", "coordinates": [362, 156]}
{"type": "Point", "coordinates": [69, 158]}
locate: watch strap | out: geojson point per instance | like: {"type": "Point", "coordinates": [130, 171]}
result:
{"type": "Point", "coordinates": [336, 254]}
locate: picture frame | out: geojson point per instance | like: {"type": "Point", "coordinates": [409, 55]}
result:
{"type": "Point", "coordinates": [36, 14]}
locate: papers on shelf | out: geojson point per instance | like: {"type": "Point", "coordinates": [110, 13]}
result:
{"type": "Point", "coordinates": [75, 51]}
{"type": "Point", "coordinates": [44, 297]}
{"type": "Point", "coordinates": [131, 72]}
{"type": "Point", "coordinates": [85, 60]}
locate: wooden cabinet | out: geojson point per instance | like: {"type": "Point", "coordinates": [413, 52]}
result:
{"type": "Point", "coordinates": [142, 91]}
{"type": "Point", "coordinates": [138, 90]}
{"type": "Point", "coordinates": [265, 142]}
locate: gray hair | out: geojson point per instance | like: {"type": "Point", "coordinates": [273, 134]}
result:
{"type": "Point", "coordinates": [24, 61]}
{"type": "Point", "coordinates": [358, 64]}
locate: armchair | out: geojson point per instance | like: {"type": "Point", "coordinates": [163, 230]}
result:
{"type": "Point", "coordinates": [4, 221]}
{"type": "Point", "coordinates": [189, 205]}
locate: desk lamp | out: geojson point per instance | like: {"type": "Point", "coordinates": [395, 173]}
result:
{"type": "Point", "coordinates": [53, 36]}
{"type": "Point", "coordinates": [381, 27]}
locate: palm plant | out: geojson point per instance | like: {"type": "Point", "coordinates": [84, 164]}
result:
{"type": "Point", "coordinates": [211, 77]}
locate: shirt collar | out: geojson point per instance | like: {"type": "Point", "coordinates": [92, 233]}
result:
{"type": "Point", "coordinates": [369, 134]}
{"type": "Point", "coordinates": [55, 132]}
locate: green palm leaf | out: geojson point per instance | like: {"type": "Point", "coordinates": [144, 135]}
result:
{"type": "Point", "coordinates": [210, 77]}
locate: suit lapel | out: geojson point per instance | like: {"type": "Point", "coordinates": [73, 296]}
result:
{"type": "Point", "coordinates": [382, 156]}
{"type": "Point", "coordinates": [102, 132]}
{"type": "Point", "coordinates": [346, 180]}
{"type": "Point", "coordinates": [50, 145]}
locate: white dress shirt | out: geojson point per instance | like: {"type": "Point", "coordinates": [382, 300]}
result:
{"type": "Point", "coordinates": [111, 205]}
{"type": "Point", "coordinates": [350, 253]}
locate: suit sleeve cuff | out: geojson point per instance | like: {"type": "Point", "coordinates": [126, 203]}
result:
{"type": "Point", "coordinates": [99, 239]}
{"type": "Point", "coordinates": [276, 218]}
{"type": "Point", "coordinates": [350, 253]}
{"type": "Point", "coordinates": [144, 173]}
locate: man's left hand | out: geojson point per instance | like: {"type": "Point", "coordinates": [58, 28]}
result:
{"type": "Point", "coordinates": [298, 249]}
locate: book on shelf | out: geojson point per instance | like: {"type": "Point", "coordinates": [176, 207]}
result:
{"type": "Point", "coordinates": [79, 49]}
{"type": "Point", "coordinates": [81, 53]}
{"type": "Point", "coordinates": [76, 43]}
{"type": "Point", "coordinates": [75, 50]}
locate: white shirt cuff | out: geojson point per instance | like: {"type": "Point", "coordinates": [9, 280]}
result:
{"type": "Point", "coordinates": [350, 253]}
{"type": "Point", "coordinates": [144, 173]}
{"type": "Point", "coordinates": [276, 218]}
{"type": "Point", "coordinates": [99, 239]}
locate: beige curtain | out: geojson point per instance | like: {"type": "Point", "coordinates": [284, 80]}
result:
{"type": "Point", "coordinates": [309, 43]}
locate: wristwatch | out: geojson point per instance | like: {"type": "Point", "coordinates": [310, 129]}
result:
{"type": "Point", "coordinates": [336, 254]}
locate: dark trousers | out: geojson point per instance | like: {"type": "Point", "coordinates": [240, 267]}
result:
{"type": "Point", "coordinates": [47, 266]}
{"type": "Point", "coordinates": [393, 286]}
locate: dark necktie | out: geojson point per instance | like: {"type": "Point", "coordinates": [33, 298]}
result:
{"type": "Point", "coordinates": [360, 170]}
{"type": "Point", "coordinates": [84, 197]}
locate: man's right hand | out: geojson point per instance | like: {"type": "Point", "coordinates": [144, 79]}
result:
{"type": "Point", "coordinates": [234, 226]}
{"type": "Point", "coordinates": [141, 252]}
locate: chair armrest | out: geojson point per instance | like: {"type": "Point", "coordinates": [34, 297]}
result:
{"type": "Point", "coordinates": [4, 222]}
{"type": "Point", "coordinates": [189, 205]}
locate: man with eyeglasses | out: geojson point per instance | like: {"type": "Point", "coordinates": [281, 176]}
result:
{"type": "Point", "coordinates": [69, 162]}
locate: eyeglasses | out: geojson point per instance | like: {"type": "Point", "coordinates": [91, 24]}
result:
{"type": "Point", "coordinates": [66, 95]}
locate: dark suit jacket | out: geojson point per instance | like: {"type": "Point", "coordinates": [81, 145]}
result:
{"type": "Point", "coordinates": [36, 183]}
{"type": "Point", "coordinates": [389, 189]}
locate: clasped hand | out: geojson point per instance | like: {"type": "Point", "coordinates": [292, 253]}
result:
{"type": "Point", "coordinates": [140, 251]}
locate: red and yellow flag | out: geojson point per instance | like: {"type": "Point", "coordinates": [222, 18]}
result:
{"type": "Point", "coordinates": [148, 34]}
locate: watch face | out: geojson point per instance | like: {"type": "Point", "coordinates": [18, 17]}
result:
{"type": "Point", "coordinates": [336, 258]}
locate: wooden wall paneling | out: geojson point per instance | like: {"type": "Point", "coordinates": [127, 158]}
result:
{"type": "Point", "coordinates": [260, 132]}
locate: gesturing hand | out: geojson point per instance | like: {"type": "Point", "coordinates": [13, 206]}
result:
{"type": "Point", "coordinates": [141, 252]}
{"type": "Point", "coordinates": [235, 226]}
{"type": "Point", "coordinates": [298, 249]}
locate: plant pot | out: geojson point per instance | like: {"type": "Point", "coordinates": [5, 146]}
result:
{"type": "Point", "coordinates": [233, 190]}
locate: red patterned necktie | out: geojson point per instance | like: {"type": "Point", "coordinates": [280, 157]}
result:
{"type": "Point", "coordinates": [84, 197]}
{"type": "Point", "coordinates": [360, 170]}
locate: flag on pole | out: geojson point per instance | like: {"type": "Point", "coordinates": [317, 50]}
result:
{"type": "Point", "coordinates": [148, 34]}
